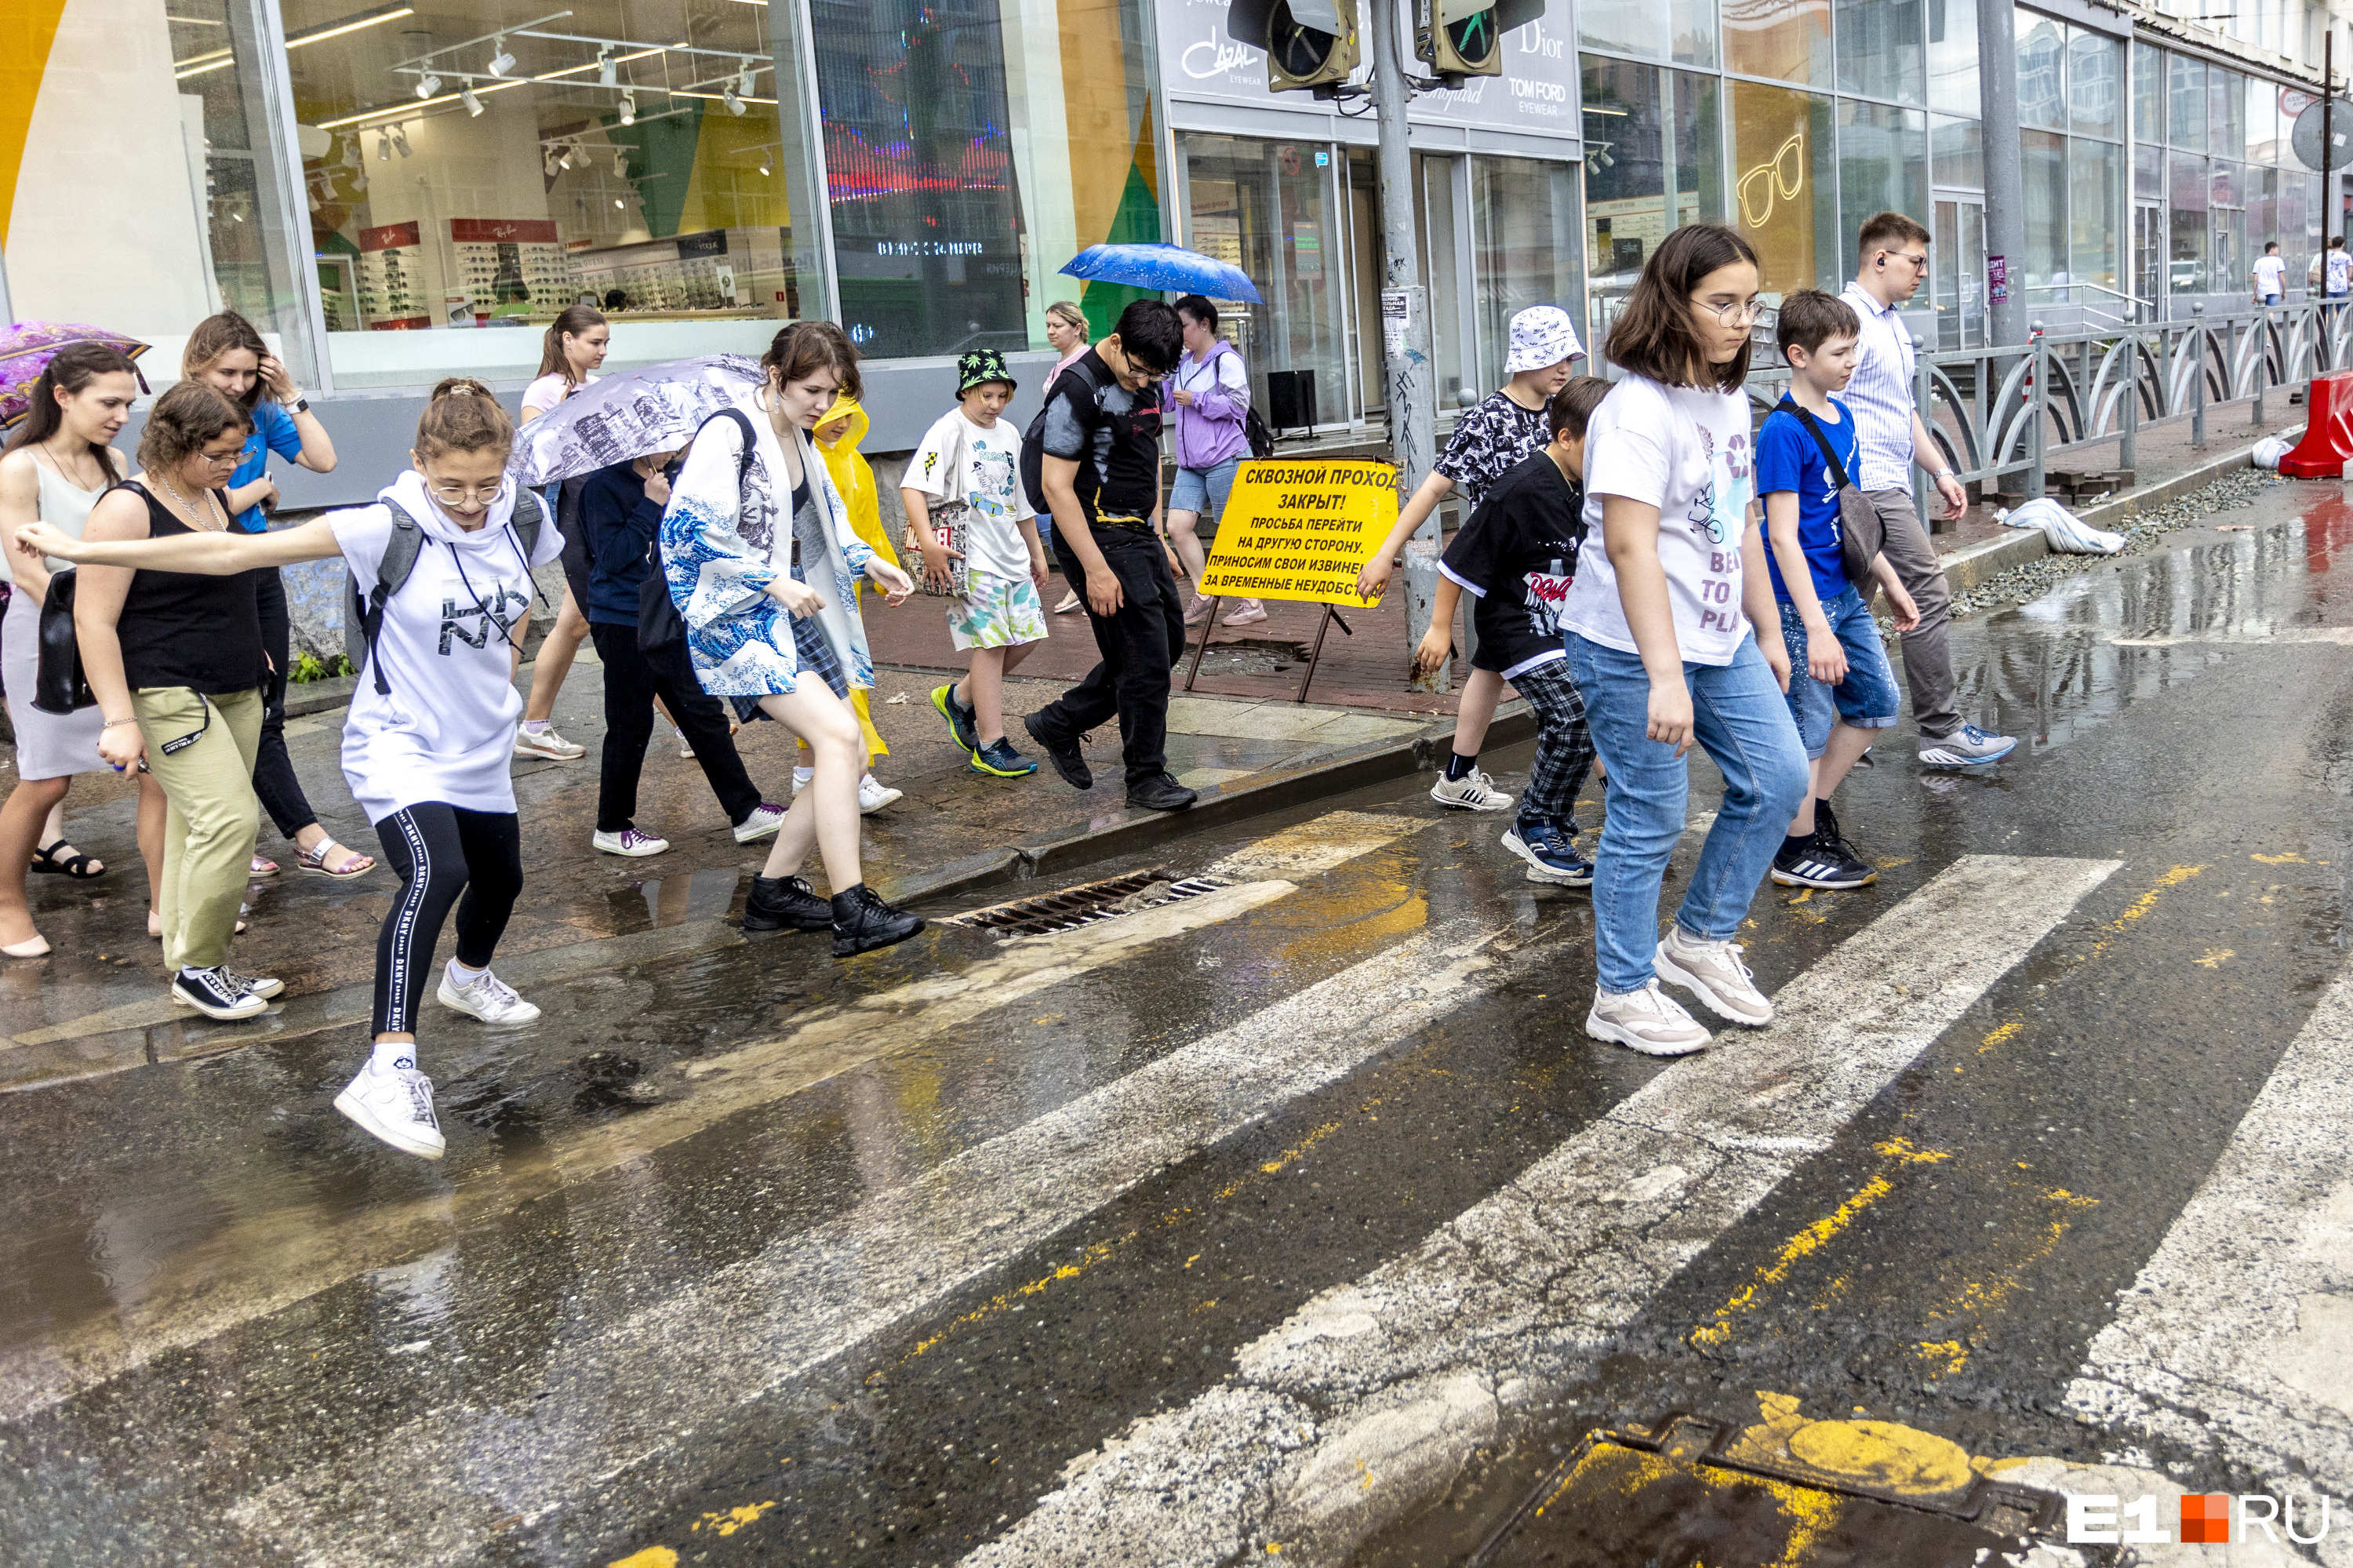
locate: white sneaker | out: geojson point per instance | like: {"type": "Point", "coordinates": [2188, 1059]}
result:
{"type": "Point", "coordinates": [547, 744]}
{"type": "Point", "coordinates": [1648, 1021]}
{"type": "Point", "coordinates": [1474, 792]}
{"type": "Point", "coordinates": [628, 842]}
{"type": "Point", "coordinates": [801, 777]}
{"type": "Point", "coordinates": [1714, 970]}
{"type": "Point", "coordinates": [1968, 747]}
{"type": "Point", "coordinates": [873, 795]}
{"type": "Point", "coordinates": [396, 1105]}
{"type": "Point", "coordinates": [766, 818]}
{"type": "Point", "coordinates": [685, 752]}
{"type": "Point", "coordinates": [489, 998]}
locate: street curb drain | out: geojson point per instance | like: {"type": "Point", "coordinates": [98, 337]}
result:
{"type": "Point", "coordinates": [1664, 1492]}
{"type": "Point", "coordinates": [1089, 902]}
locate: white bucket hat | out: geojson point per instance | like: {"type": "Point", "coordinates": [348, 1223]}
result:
{"type": "Point", "coordinates": [1542, 335]}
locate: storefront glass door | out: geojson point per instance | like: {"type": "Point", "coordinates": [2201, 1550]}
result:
{"type": "Point", "coordinates": [1268, 207]}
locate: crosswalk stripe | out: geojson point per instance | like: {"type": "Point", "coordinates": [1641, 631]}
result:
{"type": "Point", "coordinates": [900, 1254]}
{"type": "Point", "coordinates": [274, 1259]}
{"type": "Point", "coordinates": [1374, 1394]}
{"type": "Point", "coordinates": [2239, 1327]}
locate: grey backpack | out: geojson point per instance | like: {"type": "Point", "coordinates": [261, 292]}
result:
{"type": "Point", "coordinates": [363, 615]}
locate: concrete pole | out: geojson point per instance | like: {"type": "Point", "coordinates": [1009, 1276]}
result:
{"type": "Point", "coordinates": [2005, 162]}
{"type": "Point", "coordinates": [1405, 328]}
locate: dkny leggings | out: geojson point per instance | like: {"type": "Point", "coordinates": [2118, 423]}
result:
{"type": "Point", "coordinates": [438, 852]}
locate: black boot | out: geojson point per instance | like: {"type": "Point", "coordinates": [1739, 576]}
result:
{"type": "Point", "coordinates": [777, 902]}
{"type": "Point", "coordinates": [863, 923]}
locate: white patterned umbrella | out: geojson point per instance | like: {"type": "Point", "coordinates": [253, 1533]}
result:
{"type": "Point", "coordinates": [628, 414]}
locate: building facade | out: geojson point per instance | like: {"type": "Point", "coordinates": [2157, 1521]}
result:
{"type": "Point", "coordinates": [412, 189]}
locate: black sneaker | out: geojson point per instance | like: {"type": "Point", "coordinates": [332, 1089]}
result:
{"type": "Point", "coordinates": [863, 923]}
{"type": "Point", "coordinates": [777, 902]}
{"type": "Point", "coordinates": [1827, 829]}
{"type": "Point", "coordinates": [1820, 861]}
{"type": "Point", "coordinates": [215, 994]}
{"type": "Point", "coordinates": [1160, 793]}
{"type": "Point", "coordinates": [1063, 755]}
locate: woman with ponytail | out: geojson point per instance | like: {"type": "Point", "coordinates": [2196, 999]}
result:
{"type": "Point", "coordinates": [575, 346]}
{"type": "Point", "coordinates": [59, 462]}
{"type": "Point", "coordinates": [428, 744]}
{"type": "Point", "coordinates": [762, 560]}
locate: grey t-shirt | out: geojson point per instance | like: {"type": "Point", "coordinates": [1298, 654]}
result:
{"type": "Point", "coordinates": [1113, 435]}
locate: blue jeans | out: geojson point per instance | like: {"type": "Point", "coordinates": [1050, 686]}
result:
{"type": "Point", "coordinates": [1742, 722]}
{"type": "Point", "coordinates": [1866, 699]}
{"type": "Point", "coordinates": [1203, 491]}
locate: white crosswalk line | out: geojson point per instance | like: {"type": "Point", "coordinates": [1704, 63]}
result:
{"type": "Point", "coordinates": [280, 1257]}
{"type": "Point", "coordinates": [1373, 1395]}
{"type": "Point", "coordinates": [2237, 1338]}
{"type": "Point", "coordinates": [433, 1489]}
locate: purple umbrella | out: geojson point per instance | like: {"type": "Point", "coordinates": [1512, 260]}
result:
{"type": "Point", "coordinates": [628, 414]}
{"type": "Point", "coordinates": [26, 348]}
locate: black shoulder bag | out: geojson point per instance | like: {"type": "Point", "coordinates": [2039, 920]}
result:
{"type": "Point", "coordinates": [661, 631]}
{"type": "Point", "coordinates": [1860, 536]}
{"type": "Point", "coordinates": [57, 685]}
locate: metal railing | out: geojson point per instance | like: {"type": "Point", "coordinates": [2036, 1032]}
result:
{"type": "Point", "coordinates": [1995, 412]}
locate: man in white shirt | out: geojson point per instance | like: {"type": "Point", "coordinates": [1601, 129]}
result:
{"type": "Point", "coordinates": [2271, 276]}
{"type": "Point", "coordinates": [2341, 272]}
{"type": "Point", "coordinates": [1893, 263]}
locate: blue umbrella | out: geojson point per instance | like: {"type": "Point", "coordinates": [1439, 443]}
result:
{"type": "Point", "coordinates": [1168, 266]}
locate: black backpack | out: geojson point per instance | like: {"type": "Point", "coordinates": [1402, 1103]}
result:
{"type": "Point", "coordinates": [661, 630]}
{"type": "Point", "coordinates": [1033, 440]}
{"type": "Point", "coordinates": [363, 615]}
{"type": "Point", "coordinates": [1254, 431]}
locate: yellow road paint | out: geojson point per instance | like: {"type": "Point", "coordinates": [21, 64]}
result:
{"type": "Point", "coordinates": [1879, 1454]}
{"type": "Point", "coordinates": [2148, 901]}
{"type": "Point", "coordinates": [1798, 1248]}
{"type": "Point", "coordinates": [734, 1519]}
{"type": "Point", "coordinates": [2003, 1036]}
{"type": "Point", "coordinates": [651, 1557]}
{"type": "Point", "coordinates": [1978, 1301]}
{"type": "Point", "coordinates": [2291, 858]}
{"type": "Point", "coordinates": [1903, 1150]}
{"type": "Point", "coordinates": [2215, 957]}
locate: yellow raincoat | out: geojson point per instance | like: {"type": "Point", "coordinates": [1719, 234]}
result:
{"type": "Point", "coordinates": [855, 481]}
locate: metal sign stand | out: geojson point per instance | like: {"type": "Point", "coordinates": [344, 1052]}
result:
{"type": "Point", "coordinates": [1322, 627]}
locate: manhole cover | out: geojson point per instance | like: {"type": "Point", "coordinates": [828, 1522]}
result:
{"type": "Point", "coordinates": [1087, 903]}
{"type": "Point", "coordinates": [1681, 1495]}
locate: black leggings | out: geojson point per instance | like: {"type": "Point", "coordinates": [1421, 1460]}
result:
{"type": "Point", "coordinates": [439, 851]}
{"type": "Point", "coordinates": [273, 772]}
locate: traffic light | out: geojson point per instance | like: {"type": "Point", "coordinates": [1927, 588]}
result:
{"type": "Point", "coordinates": [1308, 43]}
{"type": "Point", "coordinates": [1459, 38]}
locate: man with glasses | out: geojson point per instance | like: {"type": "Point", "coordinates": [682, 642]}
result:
{"type": "Point", "coordinates": [1096, 455]}
{"type": "Point", "coordinates": [1894, 264]}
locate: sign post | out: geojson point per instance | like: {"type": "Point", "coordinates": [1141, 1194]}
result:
{"type": "Point", "coordinates": [1299, 530]}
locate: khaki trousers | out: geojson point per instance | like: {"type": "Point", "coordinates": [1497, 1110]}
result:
{"type": "Point", "coordinates": [1928, 655]}
{"type": "Point", "coordinates": [208, 835]}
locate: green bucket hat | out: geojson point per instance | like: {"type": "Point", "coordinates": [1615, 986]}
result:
{"type": "Point", "coordinates": [981, 366]}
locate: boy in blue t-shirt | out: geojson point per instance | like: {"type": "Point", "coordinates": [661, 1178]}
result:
{"type": "Point", "coordinates": [1841, 689]}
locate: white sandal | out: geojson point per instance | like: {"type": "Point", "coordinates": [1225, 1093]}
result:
{"type": "Point", "coordinates": [316, 862]}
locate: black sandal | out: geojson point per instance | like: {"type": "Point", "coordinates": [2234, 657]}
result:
{"type": "Point", "coordinates": [76, 865]}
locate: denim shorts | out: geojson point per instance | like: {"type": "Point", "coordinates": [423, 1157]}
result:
{"type": "Point", "coordinates": [1204, 490]}
{"type": "Point", "coordinates": [1866, 699]}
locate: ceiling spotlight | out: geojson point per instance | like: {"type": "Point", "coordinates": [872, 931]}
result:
{"type": "Point", "coordinates": [621, 162]}
{"type": "Point", "coordinates": [734, 104]}
{"type": "Point", "coordinates": [605, 70]}
{"type": "Point", "coordinates": [466, 96]}
{"type": "Point", "coordinates": [400, 139]}
{"type": "Point", "coordinates": [745, 83]}
{"type": "Point", "coordinates": [564, 156]}
{"type": "Point", "coordinates": [618, 204]}
{"type": "Point", "coordinates": [547, 163]}
{"type": "Point", "coordinates": [428, 85]}
{"type": "Point", "coordinates": [384, 146]}
{"type": "Point", "coordinates": [764, 166]}
{"type": "Point", "coordinates": [628, 108]}
{"type": "Point", "coordinates": [501, 63]}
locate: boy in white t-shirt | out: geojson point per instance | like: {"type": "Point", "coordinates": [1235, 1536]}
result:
{"type": "Point", "coordinates": [2271, 276]}
{"type": "Point", "coordinates": [979, 534]}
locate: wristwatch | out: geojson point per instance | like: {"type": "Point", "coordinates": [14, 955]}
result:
{"type": "Point", "coordinates": [300, 405]}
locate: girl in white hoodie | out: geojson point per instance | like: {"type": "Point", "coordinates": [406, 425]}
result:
{"type": "Point", "coordinates": [427, 745]}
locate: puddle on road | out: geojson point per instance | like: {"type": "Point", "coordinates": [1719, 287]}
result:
{"type": "Point", "coordinates": [2071, 661]}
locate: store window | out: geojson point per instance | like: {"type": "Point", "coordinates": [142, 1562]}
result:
{"type": "Point", "coordinates": [1788, 40]}
{"type": "Point", "coordinates": [2186, 101]}
{"type": "Point", "coordinates": [2190, 255]}
{"type": "Point", "coordinates": [467, 183]}
{"type": "Point", "coordinates": [1523, 247]}
{"type": "Point", "coordinates": [941, 246]}
{"type": "Point", "coordinates": [1626, 160]}
{"type": "Point", "coordinates": [2149, 90]}
{"type": "Point", "coordinates": [1958, 147]}
{"type": "Point", "coordinates": [2043, 188]}
{"type": "Point", "coordinates": [1451, 347]}
{"type": "Point", "coordinates": [1953, 56]}
{"type": "Point", "coordinates": [2095, 204]}
{"type": "Point", "coordinates": [2095, 84]}
{"type": "Point", "coordinates": [2226, 112]}
{"type": "Point", "coordinates": [1679, 30]}
{"type": "Point", "coordinates": [1880, 49]}
{"type": "Point", "coordinates": [2226, 224]}
{"type": "Point", "coordinates": [151, 191]}
{"type": "Point", "coordinates": [1883, 165]}
{"type": "Point", "coordinates": [2042, 48]}
{"type": "Point", "coordinates": [1270, 209]}
{"type": "Point", "coordinates": [2266, 134]}
{"type": "Point", "coordinates": [1785, 186]}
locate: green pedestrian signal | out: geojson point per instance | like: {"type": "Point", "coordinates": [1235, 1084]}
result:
{"type": "Point", "coordinates": [1462, 39]}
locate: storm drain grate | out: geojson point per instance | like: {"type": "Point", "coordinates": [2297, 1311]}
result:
{"type": "Point", "coordinates": [1087, 903]}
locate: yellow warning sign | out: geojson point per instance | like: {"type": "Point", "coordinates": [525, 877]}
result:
{"type": "Point", "coordinates": [1300, 530]}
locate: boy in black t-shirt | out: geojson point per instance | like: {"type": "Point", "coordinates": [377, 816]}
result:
{"type": "Point", "coordinates": [1101, 474]}
{"type": "Point", "coordinates": [1516, 557]}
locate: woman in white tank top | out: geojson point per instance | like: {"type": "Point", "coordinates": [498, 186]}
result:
{"type": "Point", "coordinates": [57, 466]}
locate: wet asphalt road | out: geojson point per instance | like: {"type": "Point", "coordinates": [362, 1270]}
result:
{"type": "Point", "coordinates": [744, 1254]}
